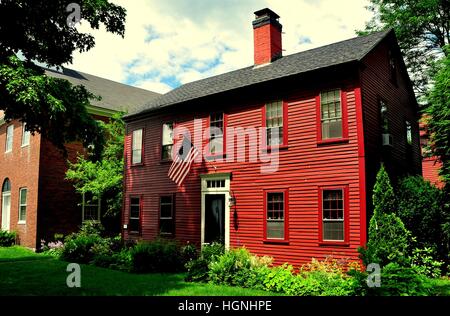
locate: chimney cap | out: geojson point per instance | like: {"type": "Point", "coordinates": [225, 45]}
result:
{"type": "Point", "coordinates": [266, 12]}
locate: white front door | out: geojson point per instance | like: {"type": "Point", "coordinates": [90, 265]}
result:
{"type": "Point", "coordinates": [6, 210]}
{"type": "Point", "coordinates": [215, 219]}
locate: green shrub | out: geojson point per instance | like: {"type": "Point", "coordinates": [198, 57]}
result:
{"type": "Point", "coordinates": [7, 239]}
{"type": "Point", "coordinates": [188, 253]}
{"type": "Point", "coordinates": [156, 256]}
{"type": "Point", "coordinates": [401, 281]}
{"type": "Point", "coordinates": [117, 261]}
{"type": "Point", "coordinates": [420, 208]}
{"type": "Point", "coordinates": [198, 269]}
{"type": "Point", "coordinates": [389, 239]}
{"type": "Point", "coordinates": [422, 261]}
{"type": "Point", "coordinates": [83, 246]}
{"type": "Point", "coordinates": [231, 268]}
{"type": "Point", "coordinates": [211, 252]}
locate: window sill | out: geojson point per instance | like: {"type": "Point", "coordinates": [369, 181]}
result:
{"type": "Point", "coordinates": [274, 148]}
{"type": "Point", "coordinates": [23, 146]}
{"type": "Point", "coordinates": [334, 244]}
{"type": "Point", "coordinates": [8, 152]}
{"type": "Point", "coordinates": [332, 141]}
{"type": "Point", "coordinates": [21, 223]}
{"type": "Point", "coordinates": [136, 165]}
{"type": "Point", "coordinates": [137, 234]}
{"type": "Point", "coordinates": [211, 157]}
{"type": "Point", "coordinates": [276, 241]}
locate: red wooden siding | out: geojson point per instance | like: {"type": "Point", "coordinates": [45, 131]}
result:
{"type": "Point", "coordinates": [304, 166]}
{"type": "Point", "coordinates": [400, 159]}
{"type": "Point", "coordinates": [430, 169]}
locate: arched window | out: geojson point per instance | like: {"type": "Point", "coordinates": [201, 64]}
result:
{"type": "Point", "coordinates": [6, 186]}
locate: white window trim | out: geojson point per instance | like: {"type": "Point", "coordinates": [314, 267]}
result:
{"type": "Point", "coordinates": [141, 145]}
{"type": "Point", "coordinates": [23, 221]}
{"type": "Point", "coordinates": [23, 135]}
{"type": "Point", "coordinates": [12, 137]}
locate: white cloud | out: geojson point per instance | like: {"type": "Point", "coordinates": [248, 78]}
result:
{"type": "Point", "coordinates": [173, 41]}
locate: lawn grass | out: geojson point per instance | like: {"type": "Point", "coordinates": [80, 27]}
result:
{"type": "Point", "coordinates": [17, 253]}
{"type": "Point", "coordinates": [23, 272]}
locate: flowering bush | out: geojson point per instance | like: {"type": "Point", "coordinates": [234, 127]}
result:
{"type": "Point", "coordinates": [53, 248]}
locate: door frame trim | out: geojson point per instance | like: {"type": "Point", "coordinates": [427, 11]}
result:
{"type": "Point", "coordinates": [8, 215]}
{"type": "Point", "coordinates": [224, 190]}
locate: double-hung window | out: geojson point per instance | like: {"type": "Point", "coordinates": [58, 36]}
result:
{"type": "Point", "coordinates": [136, 152]}
{"type": "Point", "coordinates": [275, 124]}
{"type": "Point", "coordinates": [331, 115]}
{"type": "Point", "coordinates": [9, 138]}
{"type": "Point", "coordinates": [166, 215]}
{"type": "Point", "coordinates": [216, 133]}
{"type": "Point", "coordinates": [25, 135]}
{"type": "Point", "coordinates": [23, 205]}
{"type": "Point", "coordinates": [276, 215]}
{"type": "Point", "coordinates": [135, 215]}
{"type": "Point", "coordinates": [167, 141]}
{"type": "Point", "coordinates": [333, 213]}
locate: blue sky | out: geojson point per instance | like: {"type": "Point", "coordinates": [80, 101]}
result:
{"type": "Point", "coordinates": [172, 42]}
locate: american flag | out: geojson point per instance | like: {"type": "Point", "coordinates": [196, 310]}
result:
{"type": "Point", "coordinates": [183, 160]}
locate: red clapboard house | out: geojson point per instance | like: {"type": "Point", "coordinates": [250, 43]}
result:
{"type": "Point", "coordinates": [430, 164]}
{"type": "Point", "coordinates": [288, 149]}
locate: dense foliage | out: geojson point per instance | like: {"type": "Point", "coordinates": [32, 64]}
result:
{"type": "Point", "coordinates": [104, 177]}
{"type": "Point", "coordinates": [389, 240]}
{"type": "Point", "coordinates": [438, 117]}
{"type": "Point", "coordinates": [422, 29]}
{"type": "Point", "coordinates": [156, 256]}
{"type": "Point", "coordinates": [420, 207]}
{"type": "Point", "coordinates": [7, 239]}
{"type": "Point", "coordinates": [39, 31]}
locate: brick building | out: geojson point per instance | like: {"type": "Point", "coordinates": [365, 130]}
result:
{"type": "Point", "coordinates": [35, 200]}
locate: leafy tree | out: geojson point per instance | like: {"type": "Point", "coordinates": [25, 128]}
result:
{"type": "Point", "coordinates": [420, 206]}
{"type": "Point", "coordinates": [383, 193]}
{"type": "Point", "coordinates": [422, 28]}
{"type": "Point", "coordinates": [389, 240]}
{"type": "Point", "coordinates": [437, 117]}
{"type": "Point", "coordinates": [103, 178]}
{"type": "Point", "coordinates": [38, 30]}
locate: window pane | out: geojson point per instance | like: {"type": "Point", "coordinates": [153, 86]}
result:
{"type": "Point", "coordinates": [331, 114]}
{"type": "Point", "coordinates": [25, 135]}
{"type": "Point", "coordinates": [167, 134]}
{"type": "Point", "coordinates": [134, 225]}
{"type": "Point", "coordinates": [134, 211]}
{"type": "Point", "coordinates": [166, 152]}
{"type": "Point", "coordinates": [137, 139]}
{"type": "Point", "coordinates": [135, 201]}
{"type": "Point", "coordinates": [333, 214]}
{"type": "Point", "coordinates": [137, 156]}
{"type": "Point", "coordinates": [275, 215]}
{"type": "Point", "coordinates": [216, 145]}
{"type": "Point", "coordinates": [408, 133]}
{"type": "Point", "coordinates": [137, 147]}
{"type": "Point", "coordinates": [166, 226]}
{"type": "Point", "coordinates": [384, 121]}
{"type": "Point", "coordinates": [275, 229]}
{"type": "Point", "coordinates": [9, 137]}
{"type": "Point", "coordinates": [22, 213]}
{"type": "Point", "coordinates": [333, 231]}
{"type": "Point", "coordinates": [23, 196]}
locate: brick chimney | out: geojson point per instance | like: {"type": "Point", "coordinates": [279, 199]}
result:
{"type": "Point", "coordinates": [267, 36]}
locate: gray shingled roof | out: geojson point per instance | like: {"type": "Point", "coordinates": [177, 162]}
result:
{"type": "Point", "coordinates": [115, 96]}
{"type": "Point", "coordinates": [330, 55]}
